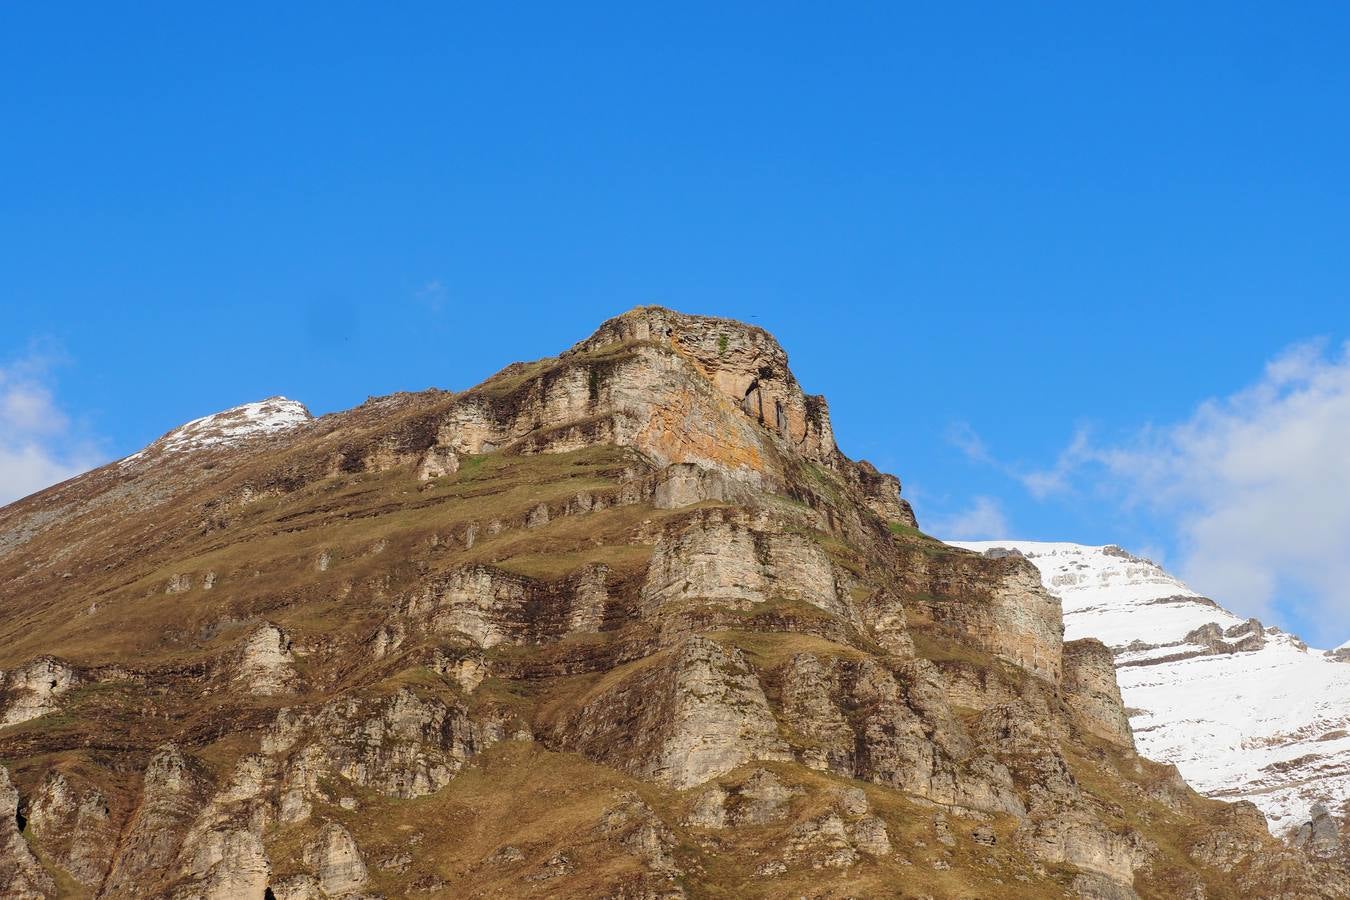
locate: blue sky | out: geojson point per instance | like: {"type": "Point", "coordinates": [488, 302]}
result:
{"type": "Point", "coordinates": [1018, 249]}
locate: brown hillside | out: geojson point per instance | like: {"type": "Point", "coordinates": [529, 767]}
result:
{"type": "Point", "coordinates": [620, 623]}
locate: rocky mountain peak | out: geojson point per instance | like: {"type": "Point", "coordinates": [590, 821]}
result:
{"type": "Point", "coordinates": [275, 415]}
{"type": "Point", "coordinates": [744, 362]}
{"type": "Point", "coordinates": [619, 622]}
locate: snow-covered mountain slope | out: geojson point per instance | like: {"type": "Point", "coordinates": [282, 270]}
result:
{"type": "Point", "coordinates": [1245, 712]}
{"type": "Point", "coordinates": [232, 426]}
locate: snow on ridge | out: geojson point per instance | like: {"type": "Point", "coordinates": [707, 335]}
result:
{"type": "Point", "coordinates": [232, 426]}
{"type": "Point", "coordinates": [1108, 593]}
{"type": "Point", "coordinates": [1244, 712]}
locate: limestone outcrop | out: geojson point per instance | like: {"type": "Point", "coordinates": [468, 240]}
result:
{"type": "Point", "coordinates": [173, 791]}
{"type": "Point", "coordinates": [74, 828]}
{"type": "Point", "coordinates": [1001, 607]}
{"type": "Point", "coordinates": [266, 664]}
{"type": "Point", "coordinates": [680, 718]}
{"type": "Point", "coordinates": [337, 862]}
{"type": "Point", "coordinates": [485, 605]}
{"type": "Point", "coordinates": [21, 877]}
{"type": "Point", "coordinates": [726, 560]}
{"type": "Point", "coordinates": [1092, 693]}
{"type": "Point", "coordinates": [35, 689]}
{"type": "Point", "coordinates": [620, 623]}
{"type": "Point", "coordinates": [744, 365]}
{"type": "Point", "coordinates": [403, 746]}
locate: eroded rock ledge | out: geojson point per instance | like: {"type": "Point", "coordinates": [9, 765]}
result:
{"type": "Point", "coordinates": [623, 622]}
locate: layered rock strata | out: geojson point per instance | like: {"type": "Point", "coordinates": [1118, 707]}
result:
{"type": "Point", "coordinates": [620, 623]}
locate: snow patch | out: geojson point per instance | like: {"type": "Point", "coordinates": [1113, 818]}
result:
{"type": "Point", "coordinates": [1270, 724]}
{"type": "Point", "coordinates": [274, 415]}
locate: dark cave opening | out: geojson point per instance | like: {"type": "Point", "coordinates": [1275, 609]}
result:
{"type": "Point", "coordinates": [751, 402]}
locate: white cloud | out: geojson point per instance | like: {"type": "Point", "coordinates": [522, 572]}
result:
{"type": "Point", "coordinates": [963, 437]}
{"type": "Point", "coordinates": [1260, 483]}
{"type": "Point", "coordinates": [433, 295]}
{"type": "Point", "coordinates": [38, 446]}
{"type": "Point", "coordinates": [1058, 479]}
{"type": "Point", "coordinates": [983, 520]}
{"type": "Point", "coordinates": [1254, 488]}
{"type": "Point", "coordinates": [29, 408]}
{"type": "Point", "coordinates": [1040, 483]}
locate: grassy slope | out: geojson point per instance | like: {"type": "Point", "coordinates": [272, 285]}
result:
{"type": "Point", "coordinates": [383, 531]}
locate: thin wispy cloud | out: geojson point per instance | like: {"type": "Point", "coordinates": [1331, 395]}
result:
{"type": "Point", "coordinates": [1039, 482]}
{"type": "Point", "coordinates": [1252, 488]}
{"type": "Point", "coordinates": [38, 444]}
{"type": "Point", "coordinates": [1260, 484]}
{"type": "Point", "coordinates": [1058, 478]}
{"type": "Point", "coordinates": [984, 519]}
{"type": "Point", "coordinates": [963, 437]}
{"type": "Point", "coordinates": [433, 294]}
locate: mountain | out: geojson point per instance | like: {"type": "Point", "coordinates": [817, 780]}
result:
{"type": "Point", "coordinates": [1244, 710]}
{"type": "Point", "coordinates": [623, 622]}
{"type": "Point", "coordinates": [275, 415]}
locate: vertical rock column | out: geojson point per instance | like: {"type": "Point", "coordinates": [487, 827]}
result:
{"type": "Point", "coordinates": [21, 878]}
{"type": "Point", "coordinates": [1092, 693]}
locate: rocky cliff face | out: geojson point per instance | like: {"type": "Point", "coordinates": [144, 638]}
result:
{"type": "Point", "coordinates": [1243, 710]}
{"type": "Point", "coordinates": [621, 623]}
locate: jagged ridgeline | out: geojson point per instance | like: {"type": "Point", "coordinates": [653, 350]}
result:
{"type": "Point", "coordinates": [621, 623]}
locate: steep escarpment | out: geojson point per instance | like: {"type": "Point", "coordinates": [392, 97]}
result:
{"type": "Point", "coordinates": [624, 623]}
{"type": "Point", "coordinates": [1244, 710]}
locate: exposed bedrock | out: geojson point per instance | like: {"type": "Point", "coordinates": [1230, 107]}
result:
{"type": "Point", "coordinates": [618, 623]}
{"type": "Point", "coordinates": [489, 606]}
{"type": "Point", "coordinates": [34, 689]}
{"type": "Point", "coordinates": [173, 791]}
{"type": "Point", "coordinates": [21, 876]}
{"type": "Point", "coordinates": [680, 717]}
{"type": "Point", "coordinates": [265, 663]}
{"type": "Point", "coordinates": [1000, 606]}
{"type": "Point", "coordinates": [739, 560]}
{"type": "Point", "coordinates": [1091, 691]}
{"type": "Point", "coordinates": [74, 827]}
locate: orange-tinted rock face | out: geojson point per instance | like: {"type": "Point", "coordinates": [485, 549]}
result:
{"type": "Point", "coordinates": [745, 364]}
{"type": "Point", "coordinates": [624, 622]}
